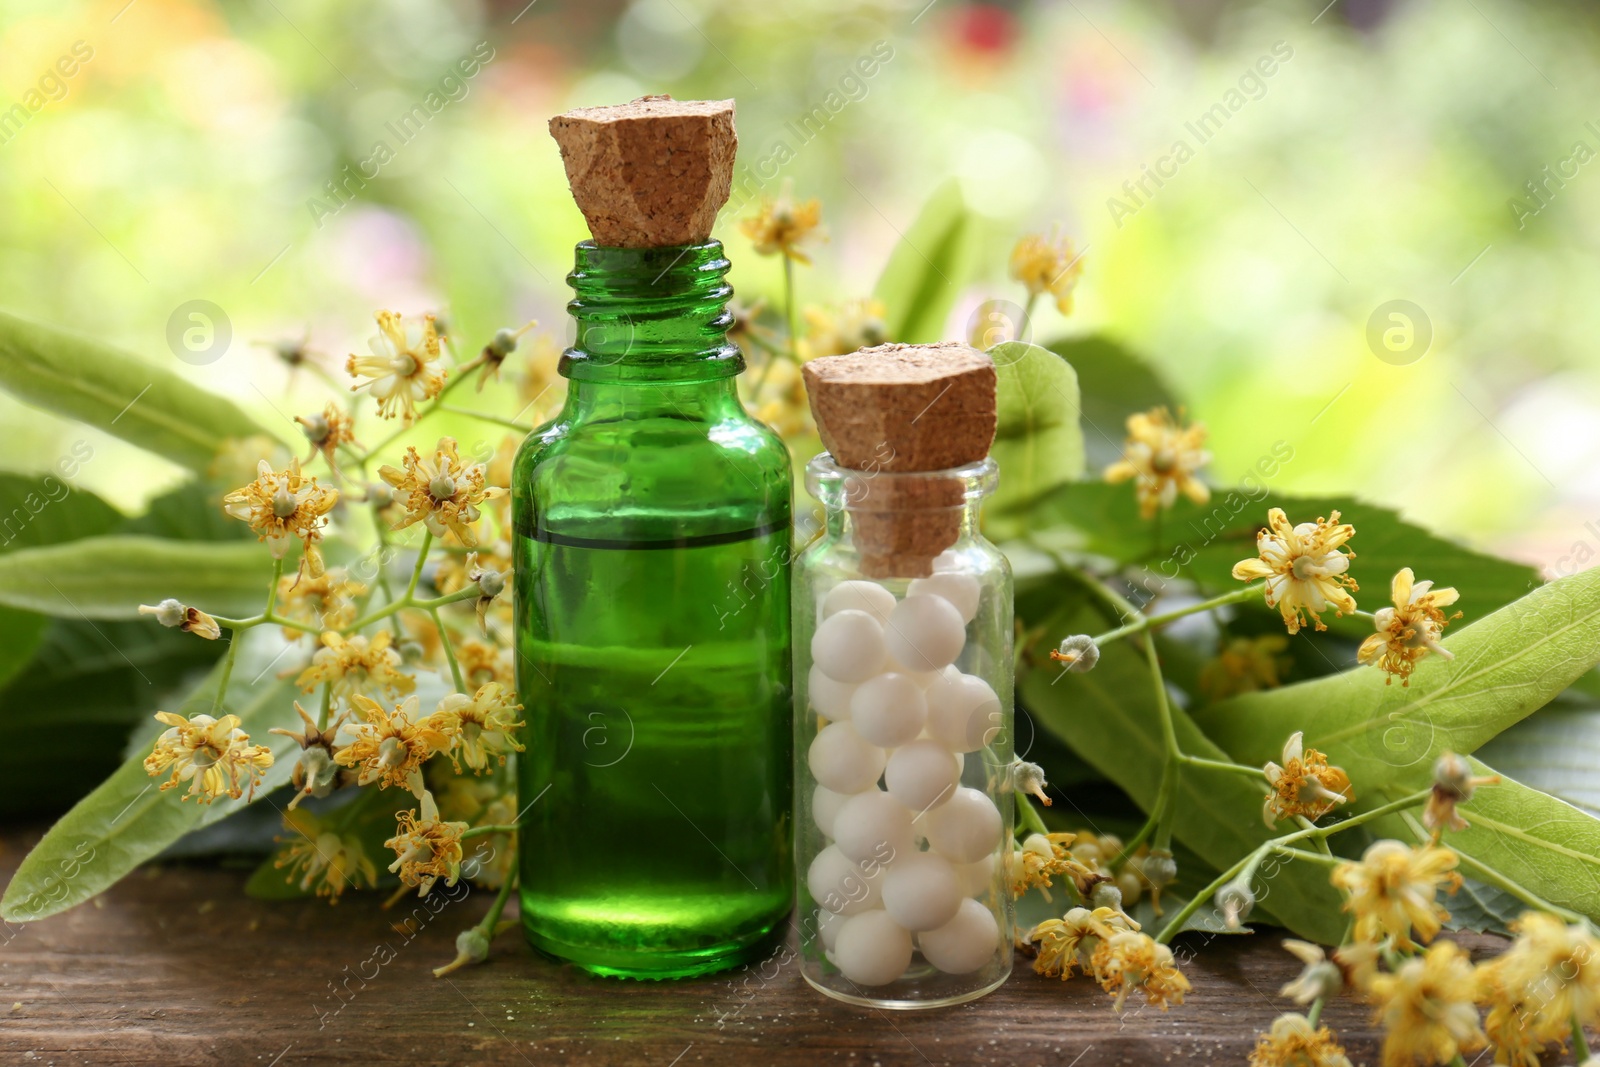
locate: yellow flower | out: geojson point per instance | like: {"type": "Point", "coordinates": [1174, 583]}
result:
{"type": "Point", "coordinates": [190, 620]}
{"type": "Point", "coordinates": [391, 746]}
{"type": "Point", "coordinates": [489, 859]}
{"type": "Point", "coordinates": [480, 726]}
{"type": "Point", "coordinates": [443, 494]}
{"type": "Point", "coordinates": [1509, 1024]}
{"type": "Point", "coordinates": [356, 663]}
{"type": "Point", "coordinates": [1304, 785]}
{"type": "Point", "coordinates": [857, 324]}
{"type": "Point", "coordinates": [1426, 1008]}
{"type": "Point", "coordinates": [400, 371]}
{"type": "Point", "coordinates": [1306, 573]}
{"type": "Point", "coordinates": [1553, 970]}
{"type": "Point", "coordinates": [1294, 1042]}
{"type": "Point", "coordinates": [426, 848]}
{"type": "Point", "coordinates": [327, 430]}
{"type": "Point", "coordinates": [1045, 266]}
{"type": "Point", "coordinates": [1161, 456]}
{"type": "Point", "coordinates": [213, 755]}
{"type": "Point", "coordinates": [1041, 857]}
{"type": "Point", "coordinates": [781, 225]}
{"type": "Point", "coordinates": [1245, 665]}
{"type": "Point", "coordinates": [1320, 977]}
{"type": "Point", "coordinates": [540, 387]}
{"type": "Point", "coordinates": [328, 600]}
{"type": "Point", "coordinates": [281, 506]}
{"type": "Point", "coordinates": [1393, 889]}
{"type": "Point", "coordinates": [320, 858]}
{"type": "Point", "coordinates": [1130, 961]}
{"type": "Point", "coordinates": [1409, 630]}
{"type": "Point", "coordinates": [501, 345]}
{"type": "Point", "coordinates": [1067, 942]}
{"type": "Point", "coordinates": [485, 661]}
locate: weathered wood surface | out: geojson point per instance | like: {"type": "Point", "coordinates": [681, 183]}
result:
{"type": "Point", "coordinates": [176, 966]}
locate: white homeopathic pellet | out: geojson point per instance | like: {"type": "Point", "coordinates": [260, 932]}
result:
{"type": "Point", "coordinates": [965, 943]}
{"type": "Point", "coordinates": [888, 710]}
{"type": "Point", "coordinates": [843, 760]}
{"type": "Point", "coordinates": [828, 924]}
{"type": "Point", "coordinates": [869, 597]}
{"type": "Point", "coordinates": [922, 774]}
{"type": "Point", "coordinates": [849, 646]}
{"type": "Point", "coordinates": [965, 828]}
{"type": "Point", "coordinates": [825, 804]}
{"type": "Point", "coordinates": [831, 699]}
{"type": "Point", "coordinates": [921, 891]}
{"type": "Point", "coordinates": [842, 886]}
{"type": "Point", "coordinates": [872, 949]}
{"type": "Point", "coordinates": [925, 633]}
{"type": "Point", "coordinates": [978, 876]}
{"type": "Point", "coordinates": [962, 590]}
{"type": "Point", "coordinates": [873, 827]}
{"type": "Point", "coordinates": [963, 711]}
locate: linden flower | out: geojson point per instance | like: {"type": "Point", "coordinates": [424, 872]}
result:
{"type": "Point", "coordinates": [1045, 266]}
{"type": "Point", "coordinates": [1067, 942]}
{"type": "Point", "coordinates": [1304, 785]}
{"type": "Point", "coordinates": [1319, 978]}
{"type": "Point", "coordinates": [321, 859]}
{"type": "Point", "coordinates": [1245, 665]}
{"type": "Point", "coordinates": [1131, 960]}
{"type": "Point", "coordinates": [1294, 1042]}
{"type": "Point", "coordinates": [1510, 1023]}
{"type": "Point", "coordinates": [400, 371]}
{"type": "Point", "coordinates": [352, 664]}
{"type": "Point", "coordinates": [391, 746]}
{"type": "Point", "coordinates": [781, 225]}
{"type": "Point", "coordinates": [328, 601]}
{"type": "Point", "coordinates": [1306, 573]}
{"type": "Point", "coordinates": [1041, 857]}
{"type": "Point", "coordinates": [426, 848]}
{"type": "Point", "coordinates": [1161, 455]}
{"type": "Point", "coordinates": [857, 324]}
{"type": "Point", "coordinates": [213, 755]}
{"type": "Point", "coordinates": [1554, 970]}
{"type": "Point", "coordinates": [1426, 1008]}
{"type": "Point", "coordinates": [489, 858]}
{"type": "Point", "coordinates": [1393, 890]}
{"type": "Point", "coordinates": [480, 726]}
{"type": "Point", "coordinates": [281, 506]}
{"type": "Point", "coordinates": [443, 493]}
{"type": "Point", "coordinates": [1410, 630]}
{"type": "Point", "coordinates": [485, 661]}
{"type": "Point", "coordinates": [327, 430]}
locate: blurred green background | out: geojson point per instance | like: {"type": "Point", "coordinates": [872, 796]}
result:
{"type": "Point", "coordinates": [1387, 156]}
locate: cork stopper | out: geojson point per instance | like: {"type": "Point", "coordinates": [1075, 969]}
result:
{"type": "Point", "coordinates": [900, 409]}
{"type": "Point", "coordinates": [651, 173]}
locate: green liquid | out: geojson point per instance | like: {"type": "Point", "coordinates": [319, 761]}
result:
{"type": "Point", "coordinates": [654, 678]}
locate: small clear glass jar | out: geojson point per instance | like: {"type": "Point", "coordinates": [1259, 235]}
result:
{"type": "Point", "coordinates": [903, 633]}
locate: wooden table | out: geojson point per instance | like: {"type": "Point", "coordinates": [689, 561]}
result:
{"type": "Point", "coordinates": [176, 966]}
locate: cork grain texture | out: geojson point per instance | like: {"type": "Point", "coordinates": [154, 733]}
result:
{"type": "Point", "coordinates": [651, 173]}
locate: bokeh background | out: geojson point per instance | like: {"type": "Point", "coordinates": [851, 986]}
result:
{"type": "Point", "coordinates": [1388, 156]}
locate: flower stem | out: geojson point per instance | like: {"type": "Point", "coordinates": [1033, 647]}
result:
{"type": "Point", "coordinates": [422, 559]}
{"type": "Point", "coordinates": [1315, 1014]}
{"type": "Point", "coordinates": [1029, 817]}
{"type": "Point", "coordinates": [227, 672]}
{"type": "Point", "coordinates": [788, 309]}
{"type": "Point", "coordinates": [1222, 765]}
{"type": "Point", "coordinates": [1580, 1044]}
{"type": "Point", "coordinates": [327, 706]}
{"type": "Point", "coordinates": [479, 831]}
{"type": "Point", "coordinates": [1147, 622]}
{"type": "Point", "coordinates": [498, 420]}
{"type": "Point", "coordinates": [449, 651]}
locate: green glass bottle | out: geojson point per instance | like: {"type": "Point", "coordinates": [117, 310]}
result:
{"type": "Point", "coordinates": [652, 600]}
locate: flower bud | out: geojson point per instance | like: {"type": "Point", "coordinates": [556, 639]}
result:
{"type": "Point", "coordinates": [314, 426]}
{"type": "Point", "coordinates": [1452, 776]}
{"type": "Point", "coordinates": [1029, 778]}
{"type": "Point", "coordinates": [491, 582]}
{"type": "Point", "coordinates": [168, 613]}
{"type": "Point", "coordinates": [1078, 652]}
{"type": "Point", "coordinates": [1106, 895]}
{"type": "Point", "coordinates": [503, 343]}
{"type": "Point", "coordinates": [1236, 901]}
{"type": "Point", "coordinates": [1159, 868]}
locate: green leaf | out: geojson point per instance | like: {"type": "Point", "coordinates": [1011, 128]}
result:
{"type": "Point", "coordinates": [191, 512]}
{"type": "Point", "coordinates": [109, 577]}
{"type": "Point", "coordinates": [1505, 667]}
{"type": "Point", "coordinates": [1038, 441]}
{"type": "Point", "coordinates": [140, 402]}
{"type": "Point", "coordinates": [1114, 383]}
{"type": "Point", "coordinates": [1202, 543]}
{"type": "Point", "coordinates": [1109, 716]}
{"type": "Point", "coordinates": [128, 819]}
{"type": "Point", "coordinates": [40, 511]}
{"type": "Point", "coordinates": [90, 681]}
{"type": "Point", "coordinates": [1556, 751]}
{"type": "Point", "coordinates": [927, 268]}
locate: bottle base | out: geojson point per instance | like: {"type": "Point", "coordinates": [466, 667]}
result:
{"type": "Point", "coordinates": [903, 1004]}
{"type": "Point", "coordinates": [661, 964]}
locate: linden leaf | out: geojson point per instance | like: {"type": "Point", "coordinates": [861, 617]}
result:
{"type": "Point", "coordinates": [927, 268]}
{"type": "Point", "coordinates": [109, 577]}
{"type": "Point", "coordinates": [1038, 441]}
{"type": "Point", "coordinates": [129, 819]}
{"type": "Point", "coordinates": [141, 402]}
{"type": "Point", "coordinates": [1114, 383]}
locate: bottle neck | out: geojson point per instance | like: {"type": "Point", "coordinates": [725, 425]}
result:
{"type": "Point", "coordinates": [651, 316]}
